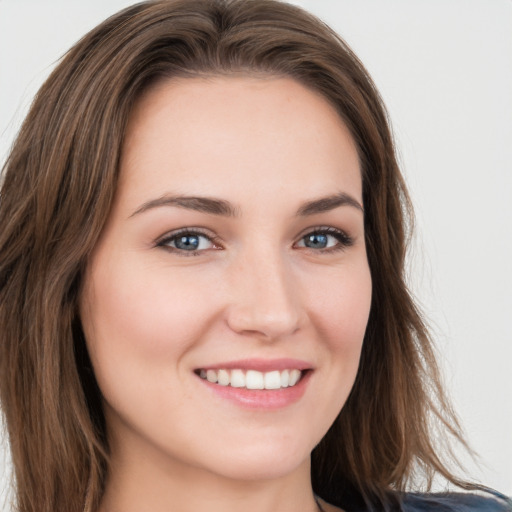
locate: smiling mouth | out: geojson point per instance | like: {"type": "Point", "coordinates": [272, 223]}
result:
{"type": "Point", "coordinates": [252, 379]}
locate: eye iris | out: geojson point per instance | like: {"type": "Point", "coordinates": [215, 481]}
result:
{"type": "Point", "coordinates": [316, 241]}
{"type": "Point", "coordinates": [187, 242]}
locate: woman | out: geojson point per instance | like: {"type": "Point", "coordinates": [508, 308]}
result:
{"type": "Point", "coordinates": [201, 280]}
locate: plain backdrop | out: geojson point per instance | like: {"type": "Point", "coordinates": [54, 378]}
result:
{"type": "Point", "coordinates": [444, 69]}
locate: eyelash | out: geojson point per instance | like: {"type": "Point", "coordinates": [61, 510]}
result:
{"type": "Point", "coordinates": [171, 237]}
{"type": "Point", "coordinates": [344, 240]}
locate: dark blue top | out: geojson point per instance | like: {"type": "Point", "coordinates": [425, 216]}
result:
{"type": "Point", "coordinates": [456, 502]}
{"type": "Point", "coordinates": [488, 501]}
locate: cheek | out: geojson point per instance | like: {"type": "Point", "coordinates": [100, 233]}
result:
{"type": "Point", "coordinates": [341, 306]}
{"type": "Point", "coordinates": [135, 316]}
{"type": "Point", "coordinates": [339, 313]}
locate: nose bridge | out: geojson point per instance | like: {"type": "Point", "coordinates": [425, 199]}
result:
{"type": "Point", "coordinates": [265, 299]}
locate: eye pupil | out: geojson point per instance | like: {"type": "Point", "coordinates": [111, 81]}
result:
{"type": "Point", "coordinates": [316, 241]}
{"type": "Point", "coordinates": [187, 242]}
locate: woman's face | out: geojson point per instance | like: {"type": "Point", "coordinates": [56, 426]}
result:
{"type": "Point", "coordinates": [233, 259]}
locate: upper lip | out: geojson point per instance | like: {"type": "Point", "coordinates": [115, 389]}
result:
{"type": "Point", "coordinates": [262, 365]}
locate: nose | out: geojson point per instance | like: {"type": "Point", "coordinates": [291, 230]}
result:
{"type": "Point", "coordinates": [264, 298]}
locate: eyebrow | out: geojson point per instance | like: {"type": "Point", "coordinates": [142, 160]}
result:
{"type": "Point", "coordinates": [325, 204]}
{"type": "Point", "coordinates": [209, 205]}
{"type": "Point", "coordinates": [214, 206]}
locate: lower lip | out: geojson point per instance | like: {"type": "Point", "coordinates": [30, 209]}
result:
{"type": "Point", "coordinates": [261, 398]}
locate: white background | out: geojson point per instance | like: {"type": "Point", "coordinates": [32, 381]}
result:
{"type": "Point", "coordinates": [444, 68]}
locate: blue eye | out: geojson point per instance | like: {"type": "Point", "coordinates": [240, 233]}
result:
{"type": "Point", "coordinates": [327, 239]}
{"type": "Point", "coordinates": [187, 241]}
{"type": "Point", "coordinates": [316, 240]}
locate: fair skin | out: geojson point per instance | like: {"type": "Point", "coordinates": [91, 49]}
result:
{"type": "Point", "coordinates": [263, 279]}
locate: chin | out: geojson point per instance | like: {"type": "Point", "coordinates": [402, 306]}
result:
{"type": "Point", "coordinates": [262, 460]}
{"type": "Point", "coordinates": [272, 468]}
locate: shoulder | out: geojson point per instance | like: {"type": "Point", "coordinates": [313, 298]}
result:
{"type": "Point", "coordinates": [456, 502]}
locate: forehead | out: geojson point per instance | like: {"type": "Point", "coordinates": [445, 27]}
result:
{"type": "Point", "coordinates": [214, 133]}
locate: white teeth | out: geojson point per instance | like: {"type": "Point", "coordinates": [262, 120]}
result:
{"type": "Point", "coordinates": [252, 379]}
{"type": "Point", "coordinates": [294, 377]}
{"type": "Point", "coordinates": [237, 379]}
{"type": "Point", "coordinates": [223, 377]}
{"type": "Point", "coordinates": [272, 380]}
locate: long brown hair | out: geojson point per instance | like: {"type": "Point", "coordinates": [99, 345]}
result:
{"type": "Point", "coordinates": [58, 186]}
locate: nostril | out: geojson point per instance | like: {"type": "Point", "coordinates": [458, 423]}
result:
{"type": "Point", "coordinates": [266, 326]}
